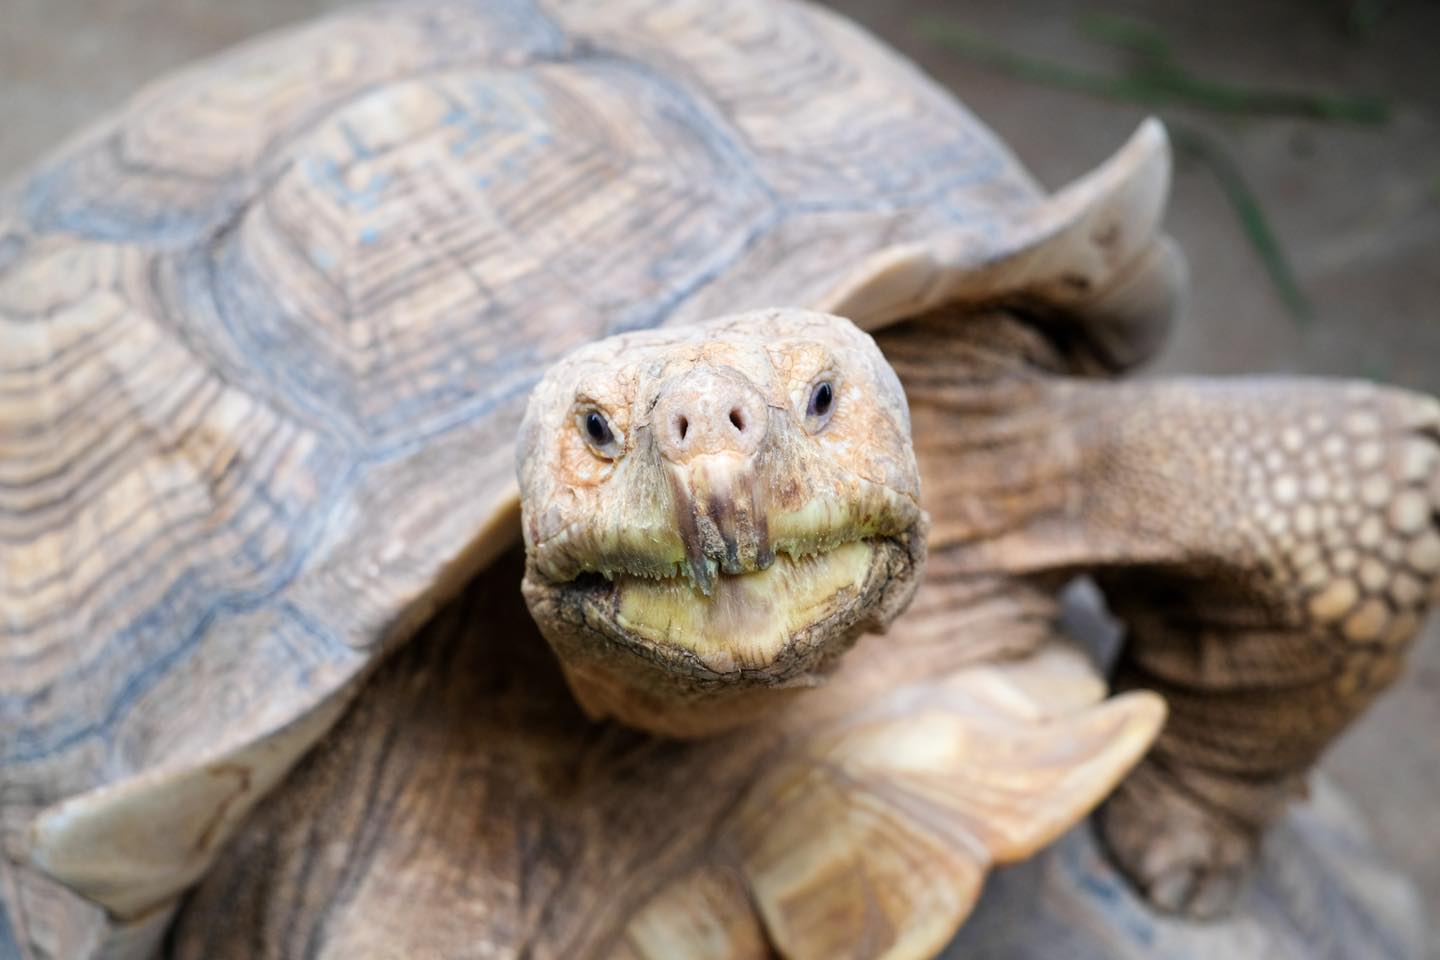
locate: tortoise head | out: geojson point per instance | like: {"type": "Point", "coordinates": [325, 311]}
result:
{"type": "Point", "coordinates": [713, 514]}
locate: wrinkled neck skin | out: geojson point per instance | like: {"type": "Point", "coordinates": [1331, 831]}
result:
{"type": "Point", "coordinates": [994, 421]}
{"type": "Point", "coordinates": [1036, 463]}
{"type": "Point", "coordinates": [750, 507]}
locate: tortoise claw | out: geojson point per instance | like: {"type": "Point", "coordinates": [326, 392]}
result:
{"type": "Point", "coordinates": [1183, 856]}
{"type": "Point", "coordinates": [1196, 890]}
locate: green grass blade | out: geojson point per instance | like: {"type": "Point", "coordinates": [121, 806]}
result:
{"type": "Point", "coordinates": [1248, 210]}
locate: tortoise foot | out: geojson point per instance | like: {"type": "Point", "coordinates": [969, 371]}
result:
{"type": "Point", "coordinates": [1183, 856]}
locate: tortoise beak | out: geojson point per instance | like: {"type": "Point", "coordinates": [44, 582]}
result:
{"type": "Point", "coordinates": [711, 427]}
{"type": "Point", "coordinates": [720, 513]}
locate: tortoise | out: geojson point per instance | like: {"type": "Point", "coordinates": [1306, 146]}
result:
{"type": "Point", "coordinates": [544, 479]}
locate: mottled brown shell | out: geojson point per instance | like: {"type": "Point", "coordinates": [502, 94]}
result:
{"type": "Point", "coordinates": [266, 336]}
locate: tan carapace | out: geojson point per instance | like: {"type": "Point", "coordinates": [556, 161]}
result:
{"type": "Point", "coordinates": [267, 341]}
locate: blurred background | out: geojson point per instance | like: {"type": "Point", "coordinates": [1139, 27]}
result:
{"type": "Point", "coordinates": [1306, 197]}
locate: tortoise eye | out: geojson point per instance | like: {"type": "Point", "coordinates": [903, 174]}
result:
{"type": "Point", "coordinates": [597, 429]}
{"type": "Point", "coordinates": [598, 433]}
{"type": "Point", "coordinates": [821, 405]}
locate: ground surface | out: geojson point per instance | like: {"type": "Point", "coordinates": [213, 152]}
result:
{"type": "Point", "coordinates": [1356, 209]}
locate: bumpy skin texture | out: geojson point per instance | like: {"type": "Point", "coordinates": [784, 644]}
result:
{"type": "Point", "coordinates": [1312, 528]}
{"type": "Point", "coordinates": [723, 542]}
{"type": "Point", "coordinates": [1271, 547]}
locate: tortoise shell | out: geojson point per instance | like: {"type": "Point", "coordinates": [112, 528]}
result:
{"type": "Point", "coordinates": [267, 333]}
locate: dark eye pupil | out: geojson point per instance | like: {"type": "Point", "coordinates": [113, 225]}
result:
{"type": "Point", "coordinates": [597, 428]}
{"type": "Point", "coordinates": [820, 402]}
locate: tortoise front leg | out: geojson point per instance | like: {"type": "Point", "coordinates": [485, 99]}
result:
{"type": "Point", "coordinates": [1271, 544]}
{"type": "Point", "coordinates": [1271, 547]}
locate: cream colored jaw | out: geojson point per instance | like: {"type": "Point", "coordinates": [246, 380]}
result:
{"type": "Point", "coordinates": [748, 620]}
{"type": "Point", "coordinates": [659, 547]}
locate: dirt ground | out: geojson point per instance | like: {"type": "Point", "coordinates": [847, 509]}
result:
{"type": "Point", "coordinates": [1356, 209]}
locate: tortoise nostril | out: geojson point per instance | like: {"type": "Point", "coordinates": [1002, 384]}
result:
{"type": "Point", "coordinates": [708, 411]}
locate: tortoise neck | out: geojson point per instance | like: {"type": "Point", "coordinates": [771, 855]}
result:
{"type": "Point", "coordinates": [990, 438]}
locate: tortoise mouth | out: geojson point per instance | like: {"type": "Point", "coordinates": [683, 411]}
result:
{"type": "Point", "coordinates": [774, 625]}
{"type": "Point", "coordinates": [703, 539]}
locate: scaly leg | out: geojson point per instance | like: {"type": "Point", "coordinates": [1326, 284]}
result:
{"type": "Point", "coordinates": [1306, 537]}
